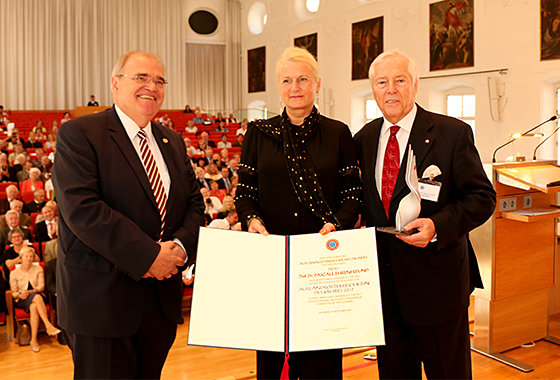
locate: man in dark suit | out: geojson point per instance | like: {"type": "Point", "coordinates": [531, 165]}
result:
{"type": "Point", "coordinates": [13, 221]}
{"type": "Point", "coordinates": [36, 205]}
{"type": "Point", "coordinates": [47, 229]}
{"type": "Point", "coordinates": [12, 193]}
{"type": "Point", "coordinates": [427, 277]}
{"type": "Point", "coordinates": [125, 232]}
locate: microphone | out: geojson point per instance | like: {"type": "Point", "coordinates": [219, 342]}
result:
{"type": "Point", "coordinates": [523, 134]}
{"type": "Point", "coordinates": [542, 142]}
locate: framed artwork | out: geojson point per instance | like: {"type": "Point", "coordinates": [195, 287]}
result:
{"type": "Point", "coordinates": [451, 34]}
{"type": "Point", "coordinates": [256, 65]}
{"type": "Point", "coordinates": [367, 43]}
{"type": "Point", "coordinates": [308, 42]}
{"type": "Point", "coordinates": [550, 29]}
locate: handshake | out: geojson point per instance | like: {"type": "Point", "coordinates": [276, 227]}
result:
{"type": "Point", "coordinates": [170, 256]}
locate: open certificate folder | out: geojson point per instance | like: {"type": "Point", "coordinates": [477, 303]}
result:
{"type": "Point", "coordinates": [294, 293]}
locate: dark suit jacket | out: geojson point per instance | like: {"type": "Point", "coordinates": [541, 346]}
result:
{"type": "Point", "coordinates": [4, 236]}
{"type": "Point", "coordinates": [33, 206]}
{"type": "Point", "coordinates": [432, 284]}
{"type": "Point", "coordinates": [109, 225]}
{"type": "Point", "coordinates": [41, 232]}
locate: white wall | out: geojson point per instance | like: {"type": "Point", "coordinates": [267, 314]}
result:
{"type": "Point", "coordinates": [506, 35]}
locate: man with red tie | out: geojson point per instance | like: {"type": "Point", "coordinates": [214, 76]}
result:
{"type": "Point", "coordinates": [129, 214]}
{"type": "Point", "coordinates": [426, 278]}
{"type": "Point", "coordinates": [47, 229]}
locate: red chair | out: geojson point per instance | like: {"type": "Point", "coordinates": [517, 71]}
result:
{"type": "Point", "coordinates": [27, 196]}
{"type": "Point", "coordinates": [3, 186]}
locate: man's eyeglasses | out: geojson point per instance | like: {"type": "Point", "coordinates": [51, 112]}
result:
{"type": "Point", "coordinates": [146, 79]}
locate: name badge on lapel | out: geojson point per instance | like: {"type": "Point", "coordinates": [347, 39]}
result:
{"type": "Point", "coordinates": [427, 187]}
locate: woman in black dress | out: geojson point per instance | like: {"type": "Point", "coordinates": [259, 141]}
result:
{"type": "Point", "coordinates": [298, 175]}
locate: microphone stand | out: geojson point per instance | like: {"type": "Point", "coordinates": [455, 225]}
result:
{"type": "Point", "coordinates": [523, 134]}
{"type": "Point", "coordinates": [542, 142]}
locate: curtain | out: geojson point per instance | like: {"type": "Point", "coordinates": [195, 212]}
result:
{"type": "Point", "coordinates": [205, 71]}
{"type": "Point", "coordinates": [233, 55]}
{"type": "Point", "coordinates": [56, 53]}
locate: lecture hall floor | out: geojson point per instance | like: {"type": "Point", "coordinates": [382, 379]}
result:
{"type": "Point", "coordinates": [201, 363]}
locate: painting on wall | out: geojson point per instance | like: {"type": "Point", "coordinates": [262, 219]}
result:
{"type": "Point", "coordinates": [367, 43]}
{"type": "Point", "coordinates": [451, 34]}
{"type": "Point", "coordinates": [256, 64]}
{"type": "Point", "coordinates": [308, 42]}
{"type": "Point", "coordinates": [550, 29]}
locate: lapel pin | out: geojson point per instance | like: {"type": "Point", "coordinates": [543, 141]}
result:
{"type": "Point", "coordinates": [427, 141]}
{"type": "Point", "coordinates": [165, 140]}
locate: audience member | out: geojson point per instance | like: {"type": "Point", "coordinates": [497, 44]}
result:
{"type": "Point", "coordinates": [39, 153]}
{"type": "Point", "coordinates": [66, 117]}
{"type": "Point", "coordinates": [216, 191]}
{"type": "Point", "coordinates": [230, 222]}
{"type": "Point", "coordinates": [243, 127]}
{"type": "Point", "coordinates": [49, 189]}
{"type": "Point", "coordinates": [201, 162]}
{"type": "Point", "coordinates": [34, 182]}
{"type": "Point", "coordinates": [219, 118]}
{"type": "Point", "coordinates": [212, 172]}
{"type": "Point", "coordinates": [23, 174]}
{"type": "Point", "coordinates": [198, 118]}
{"type": "Point", "coordinates": [212, 205]}
{"type": "Point", "coordinates": [164, 119]}
{"type": "Point", "coordinates": [51, 140]}
{"type": "Point", "coordinates": [237, 157]}
{"type": "Point", "coordinates": [47, 229]}
{"type": "Point", "coordinates": [14, 139]}
{"type": "Point", "coordinates": [231, 118]}
{"type": "Point", "coordinates": [28, 284]}
{"type": "Point", "coordinates": [204, 136]}
{"type": "Point", "coordinates": [221, 127]}
{"type": "Point", "coordinates": [51, 250]}
{"type": "Point", "coordinates": [11, 256]}
{"type": "Point", "coordinates": [208, 156]}
{"type": "Point", "coordinates": [18, 149]}
{"type": "Point", "coordinates": [189, 147]}
{"type": "Point", "coordinates": [224, 158]}
{"type": "Point", "coordinates": [32, 142]}
{"type": "Point", "coordinates": [202, 146]}
{"type": "Point", "coordinates": [46, 167]}
{"type": "Point", "coordinates": [234, 183]}
{"type": "Point", "coordinates": [224, 143]}
{"type": "Point", "coordinates": [50, 273]}
{"type": "Point", "coordinates": [24, 220]}
{"type": "Point", "coordinates": [92, 102]}
{"type": "Point", "coordinates": [202, 182]}
{"type": "Point", "coordinates": [11, 194]}
{"type": "Point", "coordinates": [224, 182]}
{"type": "Point", "coordinates": [191, 128]}
{"type": "Point", "coordinates": [187, 109]}
{"type": "Point", "coordinates": [171, 125]}
{"type": "Point", "coordinates": [3, 149]}
{"type": "Point", "coordinates": [239, 142]}
{"type": "Point", "coordinates": [6, 170]}
{"type": "Point", "coordinates": [228, 204]}
{"type": "Point", "coordinates": [40, 127]}
{"type": "Point", "coordinates": [37, 204]}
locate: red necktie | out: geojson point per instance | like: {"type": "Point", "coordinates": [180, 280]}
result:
{"type": "Point", "coordinates": [391, 164]}
{"type": "Point", "coordinates": [153, 175]}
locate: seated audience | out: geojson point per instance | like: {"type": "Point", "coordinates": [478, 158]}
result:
{"type": "Point", "coordinates": [39, 127]}
{"type": "Point", "coordinates": [198, 118]}
{"type": "Point", "coordinates": [92, 102]}
{"type": "Point", "coordinates": [164, 119]}
{"type": "Point", "coordinates": [39, 153]}
{"type": "Point", "coordinates": [14, 139]}
{"type": "Point", "coordinates": [228, 205]}
{"type": "Point", "coordinates": [12, 220]}
{"type": "Point", "coordinates": [171, 125]}
{"type": "Point", "coordinates": [11, 256]}
{"type": "Point", "coordinates": [221, 127]}
{"type": "Point", "coordinates": [7, 174]}
{"type": "Point", "coordinates": [204, 136]}
{"type": "Point", "coordinates": [202, 182]}
{"type": "Point", "coordinates": [219, 118]}
{"type": "Point", "coordinates": [239, 142]}
{"type": "Point", "coordinates": [47, 229]}
{"type": "Point", "coordinates": [187, 109]}
{"type": "Point", "coordinates": [231, 118]}
{"type": "Point", "coordinates": [12, 193]}
{"type": "Point", "coordinates": [201, 162]}
{"type": "Point", "coordinates": [18, 149]}
{"type": "Point", "coordinates": [23, 174]}
{"type": "Point", "coordinates": [216, 191]}
{"type": "Point", "coordinates": [202, 146]}
{"type": "Point", "coordinates": [230, 222]}
{"type": "Point", "coordinates": [46, 167]}
{"type": "Point", "coordinates": [224, 158]}
{"type": "Point", "coordinates": [28, 284]}
{"type": "Point", "coordinates": [51, 141]}
{"type": "Point", "coordinates": [51, 248]}
{"type": "Point", "coordinates": [212, 172]}
{"type": "Point", "coordinates": [34, 182]}
{"type": "Point", "coordinates": [189, 147]}
{"type": "Point", "coordinates": [243, 127]}
{"type": "Point", "coordinates": [233, 167]}
{"type": "Point", "coordinates": [3, 149]}
{"type": "Point", "coordinates": [234, 183]}
{"type": "Point", "coordinates": [32, 141]}
{"type": "Point", "coordinates": [37, 204]}
{"type": "Point", "coordinates": [225, 182]}
{"type": "Point", "coordinates": [65, 118]}
{"type": "Point", "coordinates": [191, 128]}
{"type": "Point", "coordinates": [212, 205]}
{"type": "Point", "coordinates": [224, 143]}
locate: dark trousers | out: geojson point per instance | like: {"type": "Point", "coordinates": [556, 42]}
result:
{"type": "Point", "coordinates": [324, 364]}
{"type": "Point", "coordinates": [140, 356]}
{"type": "Point", "coordinates": [444, 349]}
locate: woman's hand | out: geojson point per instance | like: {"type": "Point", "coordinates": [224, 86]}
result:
{"type": "Point", "coordinates": [24, 294]}
{"type": "Point", "coordinates": [327, 228]}
{"type": "Point", "coordinates": [256, 226]}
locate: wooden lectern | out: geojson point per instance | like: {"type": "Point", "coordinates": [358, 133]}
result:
{"type": "Point", "coordinates": [516, 250]}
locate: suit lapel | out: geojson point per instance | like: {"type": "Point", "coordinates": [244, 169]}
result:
{"type": "Point", "coordinates": [370, 158]}
{"type": "Point", "coordinates": [122, 140]}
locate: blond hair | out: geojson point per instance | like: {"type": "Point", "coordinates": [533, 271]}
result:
{"type": "Point", "coordinates": [297, 54]}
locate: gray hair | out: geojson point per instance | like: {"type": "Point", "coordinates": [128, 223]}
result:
{"type": "Point", "coordinates": [395, 54]}
{"type": "Point", "coordinates": [117, 69]}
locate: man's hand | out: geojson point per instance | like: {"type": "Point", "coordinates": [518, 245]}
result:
{"type": "Point", "coordinates": [426, 232]}
{"type": "Point", "coordinates": [166, 263]}
{"type": "Point", "coordinates": [257, 226]}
